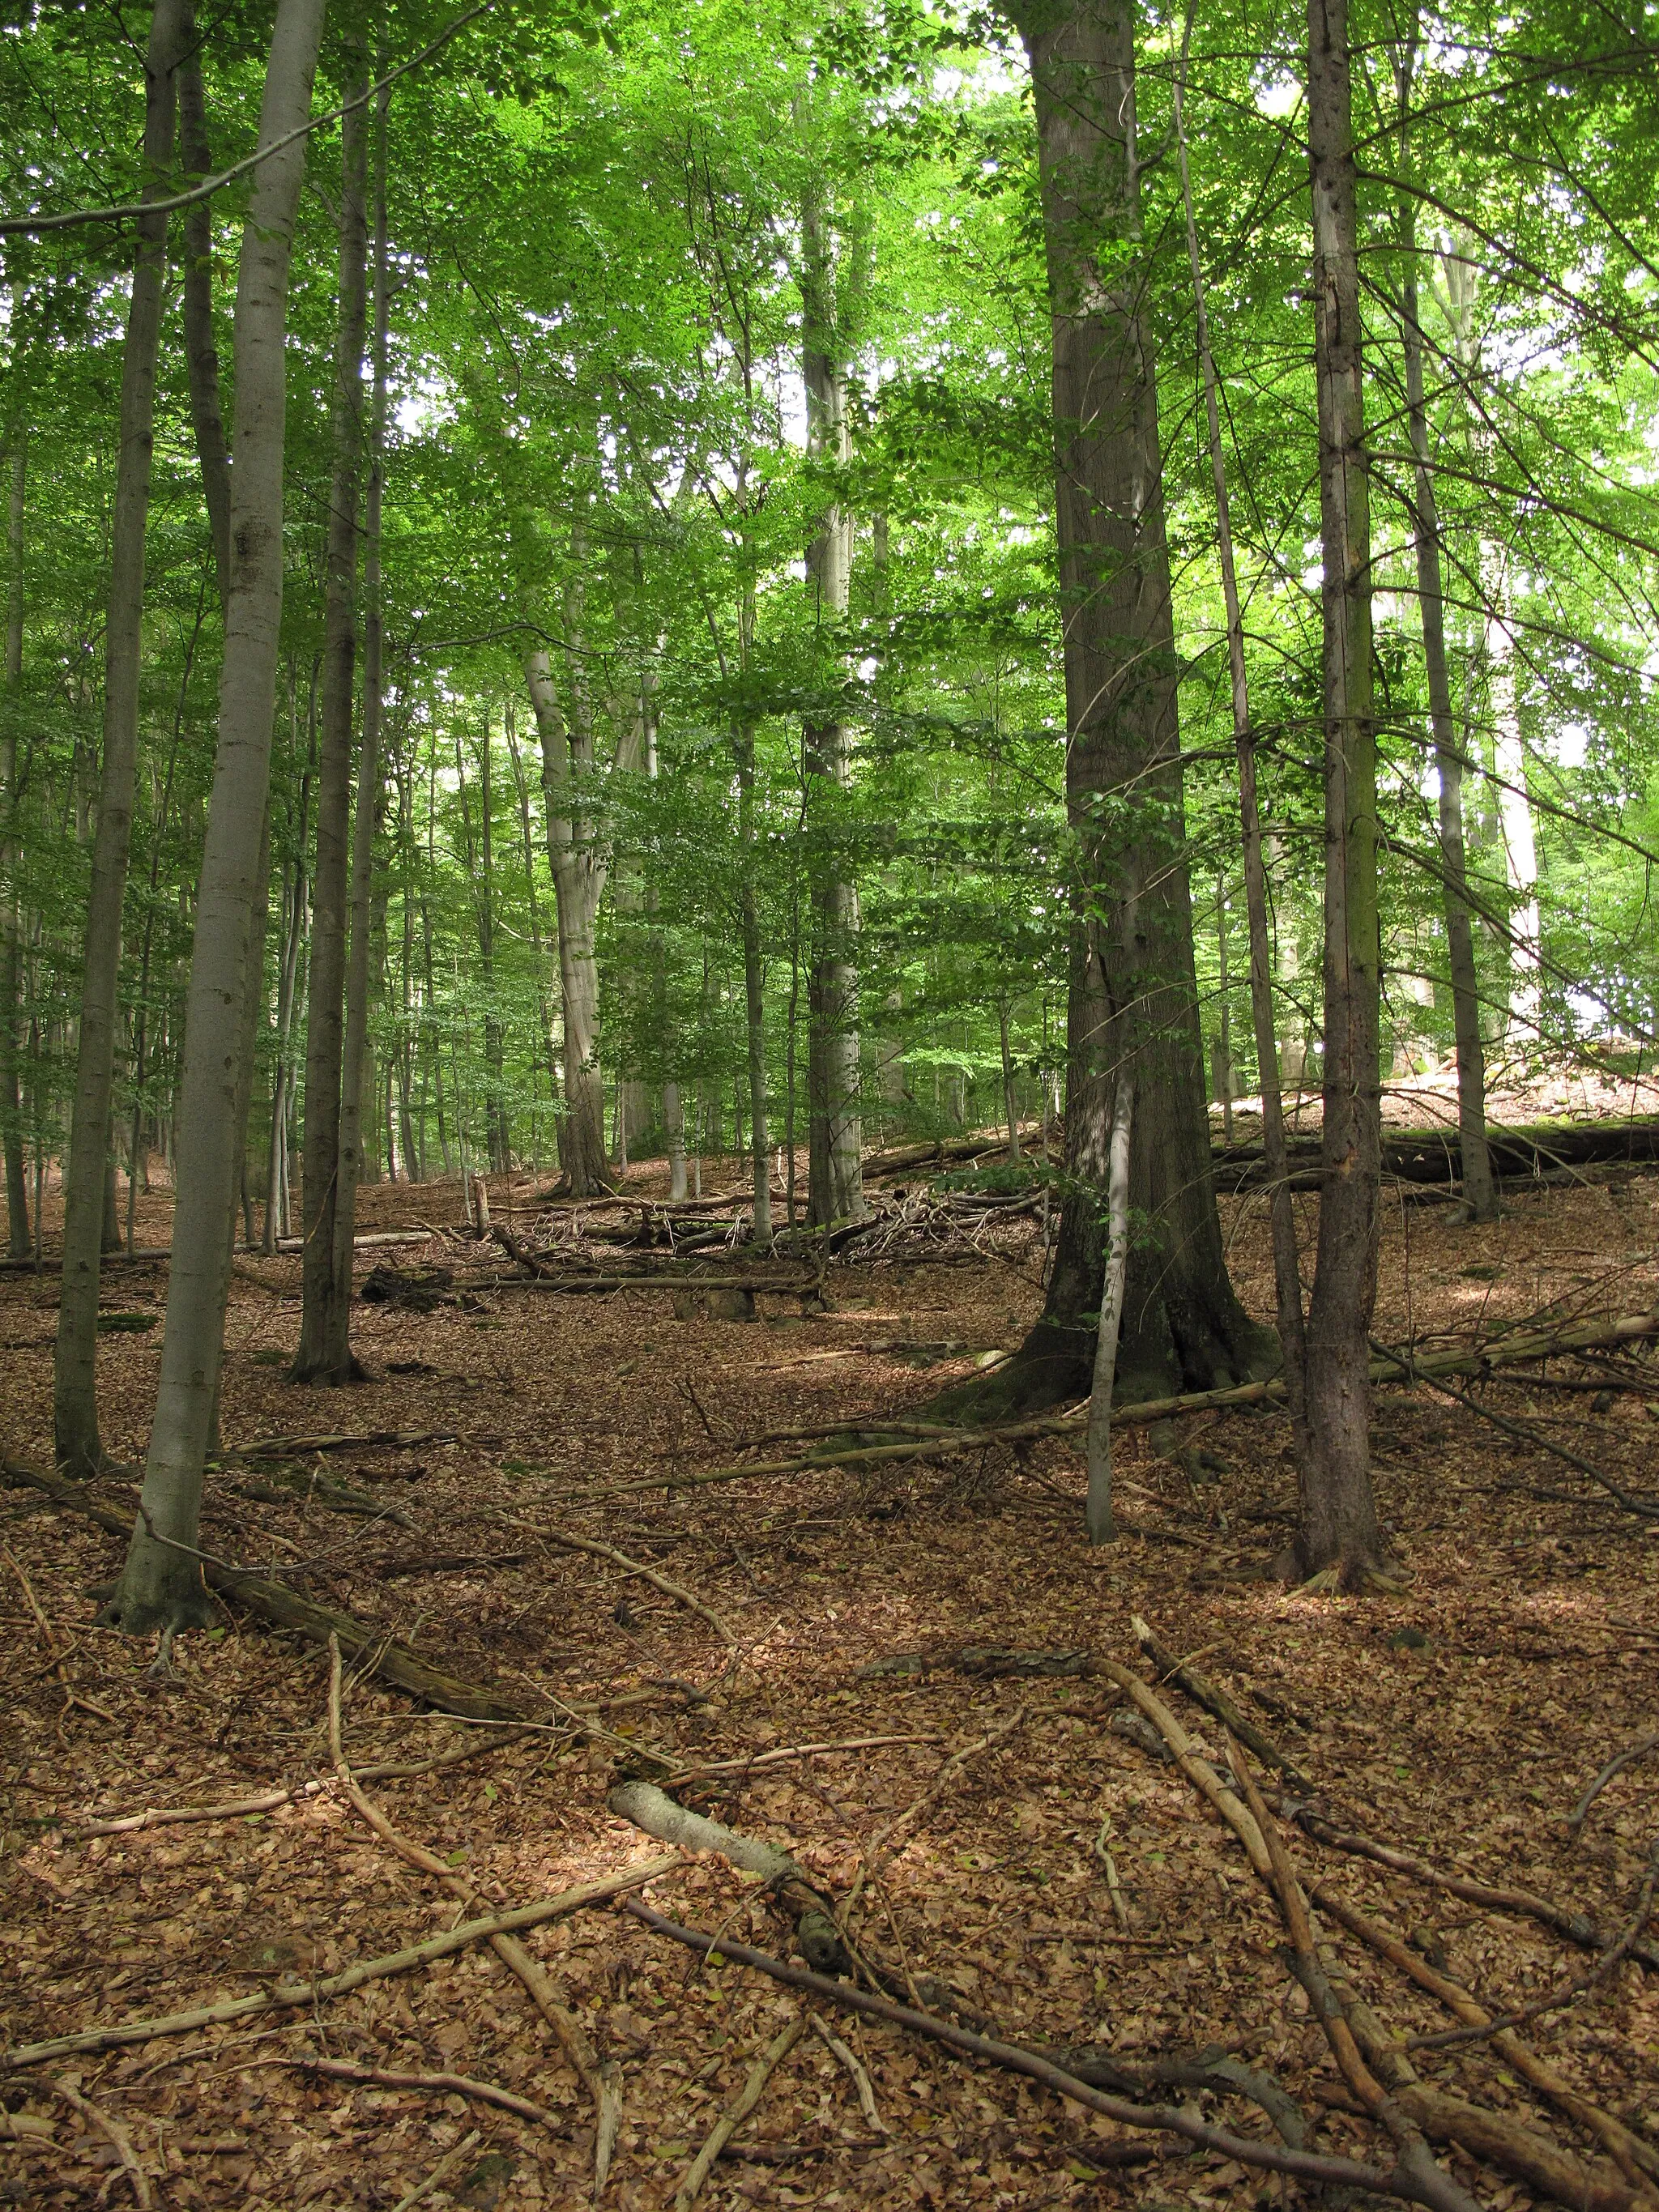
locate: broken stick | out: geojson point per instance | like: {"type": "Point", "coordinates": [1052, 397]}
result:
{"type": "Point", "coordinates": [285, 1996]}
{"type": "Point", "coordinates": [1226, 1710]}
{"type": "Point", "coordinates": [602, 2078]}
{"type": "Point", "coordinates": [736, 2112]}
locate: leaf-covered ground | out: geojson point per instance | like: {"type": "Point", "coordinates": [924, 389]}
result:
{"type": "Point", "coordinates": [1461, 1721]}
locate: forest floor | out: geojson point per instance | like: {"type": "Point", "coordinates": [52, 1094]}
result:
{"type": "Point", "coordinates": [1461, 1720]}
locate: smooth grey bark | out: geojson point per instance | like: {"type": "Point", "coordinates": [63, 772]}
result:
{"type": "Point", "coordinates": [521, 785]}
{"type": "Point", "coordinates": [1132, 998]}
{"type": "Point", "coordinates": [754, 992]}
{"type": "Point", "coordinates": [834, 1179]}
{"type": "Point", "coordinates": [161, 1584]}
{"type": "Point", "coordinates": [74, 1394]}
{"type": "Point", "coordinates": [1338, 1536]}
{"type": "Point", "coordinates": [673, 1114]}
{"type": "Point", "coordinates": [1287, 1273]}
{"type": "Point", "coordinates": [580, 861]}
{"type": "Point", "coordinates": [354, 1043]}
{"type": "Point", "coordinates": [277, 1195]}
{"type": "Point", "coordinates": [1479, 1189]}
{"type": "Point", "coordinates": [325, 1354]}
{"type": "Point", "coordinates": [1099, 1524]}
{"type": "Point", "coordinates": [201, 351]}
{"type": "Point", "coordinates": [18, 1245]}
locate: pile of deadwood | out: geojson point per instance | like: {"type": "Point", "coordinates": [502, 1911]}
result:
{"type": "Point", "coordinates": [1583, 2156]}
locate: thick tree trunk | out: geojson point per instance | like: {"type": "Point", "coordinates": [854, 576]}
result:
{"type": "Point", "coordinates": [75, 1400]}
{"type": "Point", "coordinates": [325, 1354]}
{"type": "Point", "coordinates": [18, 1244]}
{"type": "Point", "coordinates": [835, 1182]}
{"type": "Point", "coordinates": [1339, 1534]}
{"type": "Point", "coordinates": [355, 1044]}
{"type": "Point", "coordinates": [162, 1584]}
{"type": "Point", "coordinates": [1134, 995]}
{"type": "Point", "coordinates": [1479, 1191]}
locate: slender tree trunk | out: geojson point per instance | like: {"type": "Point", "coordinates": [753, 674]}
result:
{"type": "Point", "coordinates": [1098, 1521]}
{"type": "Point", "coordinates": [1339, 1535]}
{"type": "Point", "coordinates": [160, 1585]}
{"type": "Point", "coordinates": [1287, 1274]}
{"type": "Point", "coordinates": [74, 1399]}
{"type": "Point", "coordinates": [1009, 1106]}
{"type": "Point", "coordinates": [1514, 804]}
{"type": "Point", "coordinates": [834, 1133]}
{"type": "Point", "coordinates": [522, 785]}
{"type": "Point", "coordinates": [1479, 1190]}
{"type": "Point", "coordinates": [579, 873]}
{"type": "Point", "coordinates": [323, 1331]}
{"type": "Point", "coordinates": [277, 1208]}
{"type": "Point", "coordinates": [754, 990]}
{"type": "Point", "coordinates": [341, 1364]}
{"type": "Point", "coordinates": [496, 1134]}
{"type": "Point", "coordinates": [11, 950]}
{"type": "Point", "coordinates": [201, 349]}
{"type": "Point", "coordinates": [1132, 998]}
{"type": "Point", "coordinates": [673, 1114]}
{"type": "Point", "coordinates": [1224, 1040]}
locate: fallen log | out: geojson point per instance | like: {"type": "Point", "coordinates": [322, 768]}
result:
{"type": "Point", "coordinates": [284, 1996]}
{"type": "Point", "coordinates": [1432, 1156]}
{"type": "Point", "coordinates": [282, 1607]}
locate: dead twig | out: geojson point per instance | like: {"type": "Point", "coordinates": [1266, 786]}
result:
{"type": "Point", "coordinates": [862, 2084]}
{"type": "Point", "coordinates": [1162, 2118]}
{"type": "Point", "coordinates": [1615, 1766]}
{"type": "Point", "coordinates": [286, 1996]}
{"type": "Point", "coordinates": [111, 2131]}
{"type": "Point", "coordinates": [666, 1583]}
{"type": "Point", "coordinates": [449, 2163]}
{"type": "Point", "coordinates": [602, 2078]}
{"type": "Point", "coordinates": [1633, 2155]}
{"type": "Point", "coordinates": [736, 2112]}
{"type": "Point", "coordinates": [391, 2077]}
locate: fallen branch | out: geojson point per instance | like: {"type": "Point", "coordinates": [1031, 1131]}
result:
{"type": "Point", "coordinates": [1012, 2058]}
{"type": "Point", "coordinates": [863, 2087]}
{"type": "Point", "coordinates": [736, 2112]}
{"type": "Point", "coordinates": [1633, 2155]}
{"type": "Point", "coordinates": [1615, 1766]}
{"type": "Point", "coordinates": [459, 2085]}
{"type": "Point", "coordinates": [601, 2078]}
{"type": "Point", "coordinates": [111, 2131]}
{"type": "Point", "coordinates": [448, 2164]}
{"type": "Point", "coordinates": [1216, 1701]}
{"type": "Point", "coordinates": [658, 1814]}
{"type": "Point", "coordinates": [1396, 1367]}
{"type": "Point", "coordinates": [1576, 1927]}
{"type": "Point", "coordinates": [282, 1607]}
{"type": "Point", "coordinates": [271, 1801]}
{"type": "Point", "coordinates": [285, 1996]}
{"type": "Point", "coordinates": [1408, 2102]}
{"type": "Point", "coordinates": [666, 1583]}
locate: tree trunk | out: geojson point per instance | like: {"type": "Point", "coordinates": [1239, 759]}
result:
{"type": "Point", "coordinates": [835, 1182]}
{"type": "Point", "coordinates": [161, 1584]}
{"type": "Point", "coordinates": [579, 872]}
{"type": "Point", "coordinates": [673, 1114]}
{"type": "Point", "coordinates": [1133, 987]}
{"type": "Point", "coordinates": [1099, 1524]}
{"type": "Point", "coordinates": [1339, 1534]}
{"type": "Point", "coordinates": [1514, 804]}
{"type": "Point", "coordinates": [497, 1136]}
{"type": "Point", "coordinates": [74, 1399]}
{"type": "Point", "coordinates": [201, 352]}
{"type": "Point", "coordinates": [12, 949]}
{"type": "Point", "coordinates": [1479, 1191]}
{"type": "Point", "coordinates": [325, 1354]}
{"type": "Point", "coordinates": [354, 1045]}
{"type": "Point", "coordinates": [1287, 1273]}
